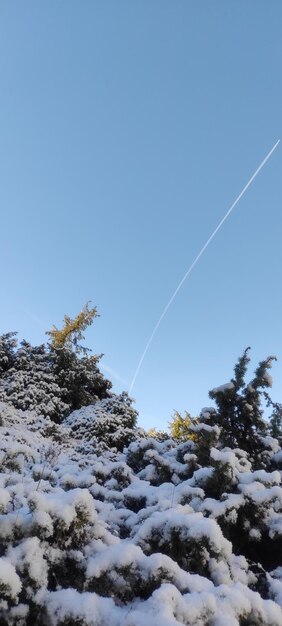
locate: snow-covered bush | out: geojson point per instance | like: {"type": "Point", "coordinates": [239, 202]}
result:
{"type": "Point", "coordinates": [91, 537]}
{"type": "Point", "coordinates": [111, 421]}
{"type": "Point", "coordinates": [101, 525]}
{"type": "Point", "coordinates": [239, 411]}
{"type": "Point", "coordinates": [49, 381]}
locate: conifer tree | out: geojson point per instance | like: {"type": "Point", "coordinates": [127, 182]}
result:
{"type": "Point", "coordinates": [80, 379]}
{"type": "Point", "coordinates": [77, 372]}
{"type": "Point", "coordinates": [276, 423]}
{"type": "Point", "coordinates": [180, 427]}
{"type": "Point", "coordinates": [275, 420]}
{"type": "Point", "coordinates": [72, 331]}
{"type": "Point", "coordinates": [239, 413]}
{"type": "Point", "coordinates": [55, 379]}
{"type": "Point", "coordinates": [159, 435]}
{"type": "Point", "coordinates": [30, 383]}
{"type": "Point", "coordinates": [8, 344]}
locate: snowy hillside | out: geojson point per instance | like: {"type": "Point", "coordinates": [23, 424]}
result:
{"type": "Point", "coordinates": [148, 536]}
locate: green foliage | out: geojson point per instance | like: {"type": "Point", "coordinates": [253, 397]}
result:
{"type": "Point", "coordinates": [111, 421]}
{"type": "Point", "coordinates": [103, 508]}
{"type": "Point", "coordinates": [52, 380]}
{"type": "Point", "coordinates": [159, 435]}
{"type": "Point", "coordinates": [8, 344]}
{"type": "Point", "coordinates": [276, 423]}
{"type": "Point", "coordinates": [30, 383]}
{"type": "Point", "coordinates": [275, 420]}
{"type": "Point", "coordinates": [80, 380]}
{"type": "Point", "coordinates": [239, 413]}
{"type": "Point", "coordinates": [72, 331]}
{"type": "Point", "coordinates": [180, 427]}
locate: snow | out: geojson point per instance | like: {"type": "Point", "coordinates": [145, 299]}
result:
{"type": "Point", "coordinates": [10, 584]}
{"type": "Point", "coordinates": [268, 379]}
{"type": "Point", "coordinates": [167, 606]}
{"type": "Point", "coordinates": [4, 499]}
{"type": "Point", "coordinates": [30, 555]}
{"type": "Point", "coordinates": [223, 388]}
{"type": "Point", "coordinates": [69, 604]}
{"type": "Point", "coordinates": [235, 459]}
{"type": "Point", "coordinates": [189, 525]}
{"type": "Point", "coordinates": [261, 476]}
{"type": "Point", "coordinates": [135, 537]}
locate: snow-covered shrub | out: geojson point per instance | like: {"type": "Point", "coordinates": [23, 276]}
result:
{"type": "Point", "coordinates": [8, 344]}
{"type": "Point", "coordinates": [227, 464]}
{"type": "Point", "coordinates": [127, 571]}
{"type": "Point", "coordinates": [10, 584]}
{"type": "Point", "coordinates": [101, 525]}
{"type": "Point", "coordinates": [190, 539]}
{"type": "Point", "coordinates": [239, 407]}
{"type": "Point", "coordinates": [30, 383]}
{"type": "Point", "coordinates": [111, 421]}
{"type": "Point", "coordinates": [79, 378]}
{"type": "Point", "coordinates": [49, 381]}
{"type": "Point", "coordinates": [206, 436]}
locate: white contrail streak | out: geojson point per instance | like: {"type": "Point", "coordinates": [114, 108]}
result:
{"type": "Point", "coordinates": [36, 319]}
{"type": "Point", "coordinates": [113, 373]}
{"type": "Point", "coordinates": [196, 261]}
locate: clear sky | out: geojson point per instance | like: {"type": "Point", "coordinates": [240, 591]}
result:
{"type": "Point", "coordinates": [127, 129]}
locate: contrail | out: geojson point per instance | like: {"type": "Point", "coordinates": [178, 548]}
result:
{"type": "Point", "coordinates": [113, 373]}
{"type": "Point", "coordinates": [36, 319]}
{"type": "Point", "coordinates": [196, 261]}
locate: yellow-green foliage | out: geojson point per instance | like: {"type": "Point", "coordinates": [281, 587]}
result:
{"type": "Point", "coordinates": [160, 435]}
{"type": "Point", "coordinates": [180, 427]}
{"type": "Point", "coordinates": [71, 332]}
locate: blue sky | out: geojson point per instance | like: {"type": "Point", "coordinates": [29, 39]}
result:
{"type": "Point", "coordinates": [127, 130]}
